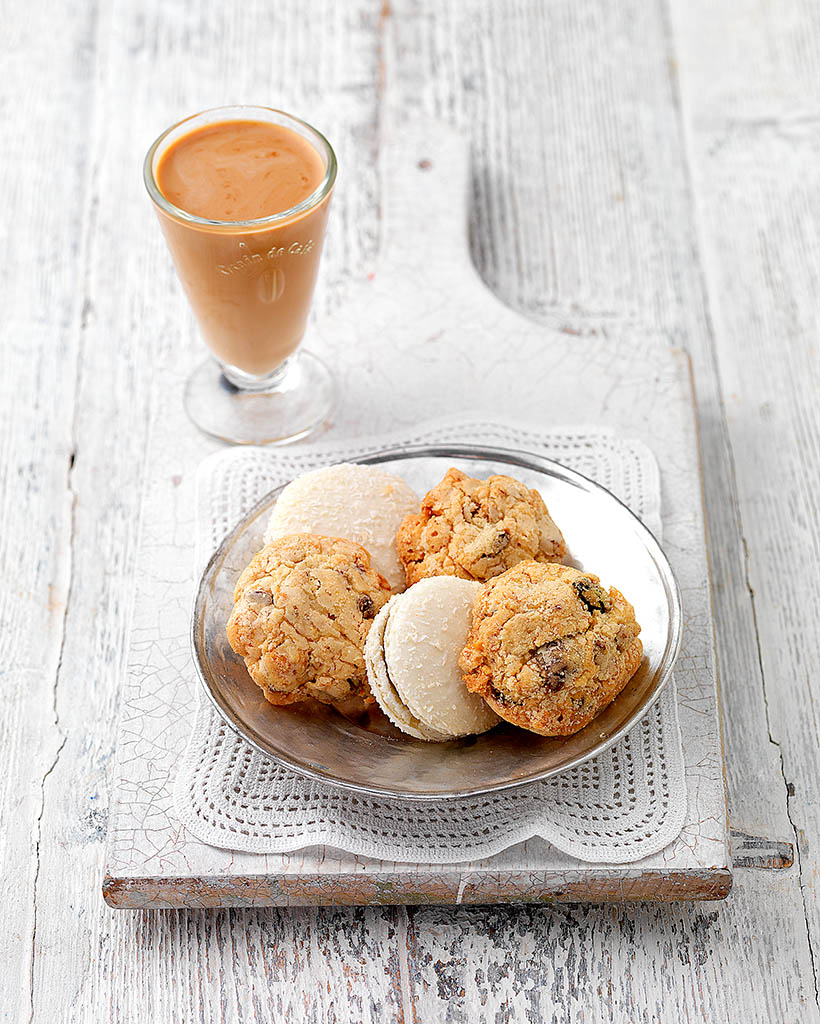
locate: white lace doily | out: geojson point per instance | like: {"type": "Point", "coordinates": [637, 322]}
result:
{"type": "Point", "coordinates": [620, 807]}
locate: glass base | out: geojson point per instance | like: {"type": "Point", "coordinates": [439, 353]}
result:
{"type": "Point", "coordinates": [288, 405]}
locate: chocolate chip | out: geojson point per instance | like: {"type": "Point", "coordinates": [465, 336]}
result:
{"type": "Point", "coordinates": [366, 606]}
{"type": "Point", "coordinates": [551, 663]}
{"type": "Point", "coordinates": [590, 594]}
{"type": "Point", "coordinates": [258, 597]}
{"type": "Point", "coordinates": [498, 696]}
{"type": "Point", "coordinates": [502, 539]}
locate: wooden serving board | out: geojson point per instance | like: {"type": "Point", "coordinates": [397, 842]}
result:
{"type": "Point", "coordinates": [422, 338]}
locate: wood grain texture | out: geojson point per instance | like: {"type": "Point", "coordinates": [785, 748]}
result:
{"type": "Point", "coordinates": [583, 214]}
{"type": "Point", "coordinates": [606, 240]}
{"type": "Point", "coordinates": [417, 885]}
{"type": "Point", "coordinates": [639, 964]}
{"type": "Point", "coordinates": [755, 143]}
{"type": "Point", "coordinates": [42, 312]}
{"type": "Point", "coordinates": [148, 65]}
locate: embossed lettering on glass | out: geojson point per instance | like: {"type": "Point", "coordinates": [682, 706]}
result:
{"type": "Point", "coordinates": [242, 195]}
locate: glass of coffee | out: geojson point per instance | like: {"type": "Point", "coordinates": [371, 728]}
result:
{"type": "Point", "coordinates": [242, 195]}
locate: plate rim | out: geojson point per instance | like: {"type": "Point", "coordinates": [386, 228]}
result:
{"type": "Point", "coordinates": [513, 456]}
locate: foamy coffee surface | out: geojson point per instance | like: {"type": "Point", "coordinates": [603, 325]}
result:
{"type": "Point", "coordinates": [239, 170]}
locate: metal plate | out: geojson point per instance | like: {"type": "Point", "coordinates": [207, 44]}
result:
{"type": "Point", "coordinates": [371, 756]}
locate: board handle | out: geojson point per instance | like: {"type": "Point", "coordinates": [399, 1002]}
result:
{"type": "Point", "coordinates": [750, 851]}
{"type": "Point", "coordinates": [425, 173]}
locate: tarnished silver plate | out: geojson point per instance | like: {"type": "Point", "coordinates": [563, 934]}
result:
{"type": "Point", "coordinates": [371, 756]}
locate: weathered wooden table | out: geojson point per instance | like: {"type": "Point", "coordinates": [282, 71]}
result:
{"type": "Point", "coordinates": [640, 169]}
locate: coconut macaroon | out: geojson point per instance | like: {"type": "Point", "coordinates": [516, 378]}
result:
{"type": "Point", "coordinates": [359, 503]}
{"type": "Point", "coordinates": [412, 654]}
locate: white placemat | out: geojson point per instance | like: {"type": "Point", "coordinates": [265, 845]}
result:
{"type": "Point", "coordinates": [620, 807]}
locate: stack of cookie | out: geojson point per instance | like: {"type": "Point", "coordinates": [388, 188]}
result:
{"type": "Point", "coordinates": [491, 626]}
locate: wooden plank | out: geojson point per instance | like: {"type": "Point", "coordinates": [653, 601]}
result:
{"type": "Point", "coordinates": [245, 967]}
{"type": "Point", "coordinates": [638, 964]}
{"type": "Point", "coordinates": [152, 63]}
{"type": "Point", "coordinates": [44, 232]}
{"type": "Point", "coordinates": [754, 135]}
{"type": "Point", "coordinates": [499, 882]}
{"type": "Point", "coordinates": [608, 93]}
{"type": "Point", "coordinates": [579, 103]}
{"type": "Point", "coordinates": [445, 328]}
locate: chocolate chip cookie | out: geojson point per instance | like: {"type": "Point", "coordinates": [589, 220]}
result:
{"type": "Point", "coordinates": [476, 529]}
{"type": "Point", "coordinates": [302, 610]}
{"type": "Point", "coordinates": [549, 647]}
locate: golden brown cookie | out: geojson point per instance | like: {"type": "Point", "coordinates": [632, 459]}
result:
{"type": "Point", "coordinates": [476, 529]}
{"type": "Point", "coordinates": [549, 647]}
{"type": "Point", "coordinates": [302, 610]}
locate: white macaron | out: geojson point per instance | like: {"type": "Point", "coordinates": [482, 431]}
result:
{"type": "Point", "coordinates": [360, 503]}
{"type": "Point", "coordinates": [412, 656]}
